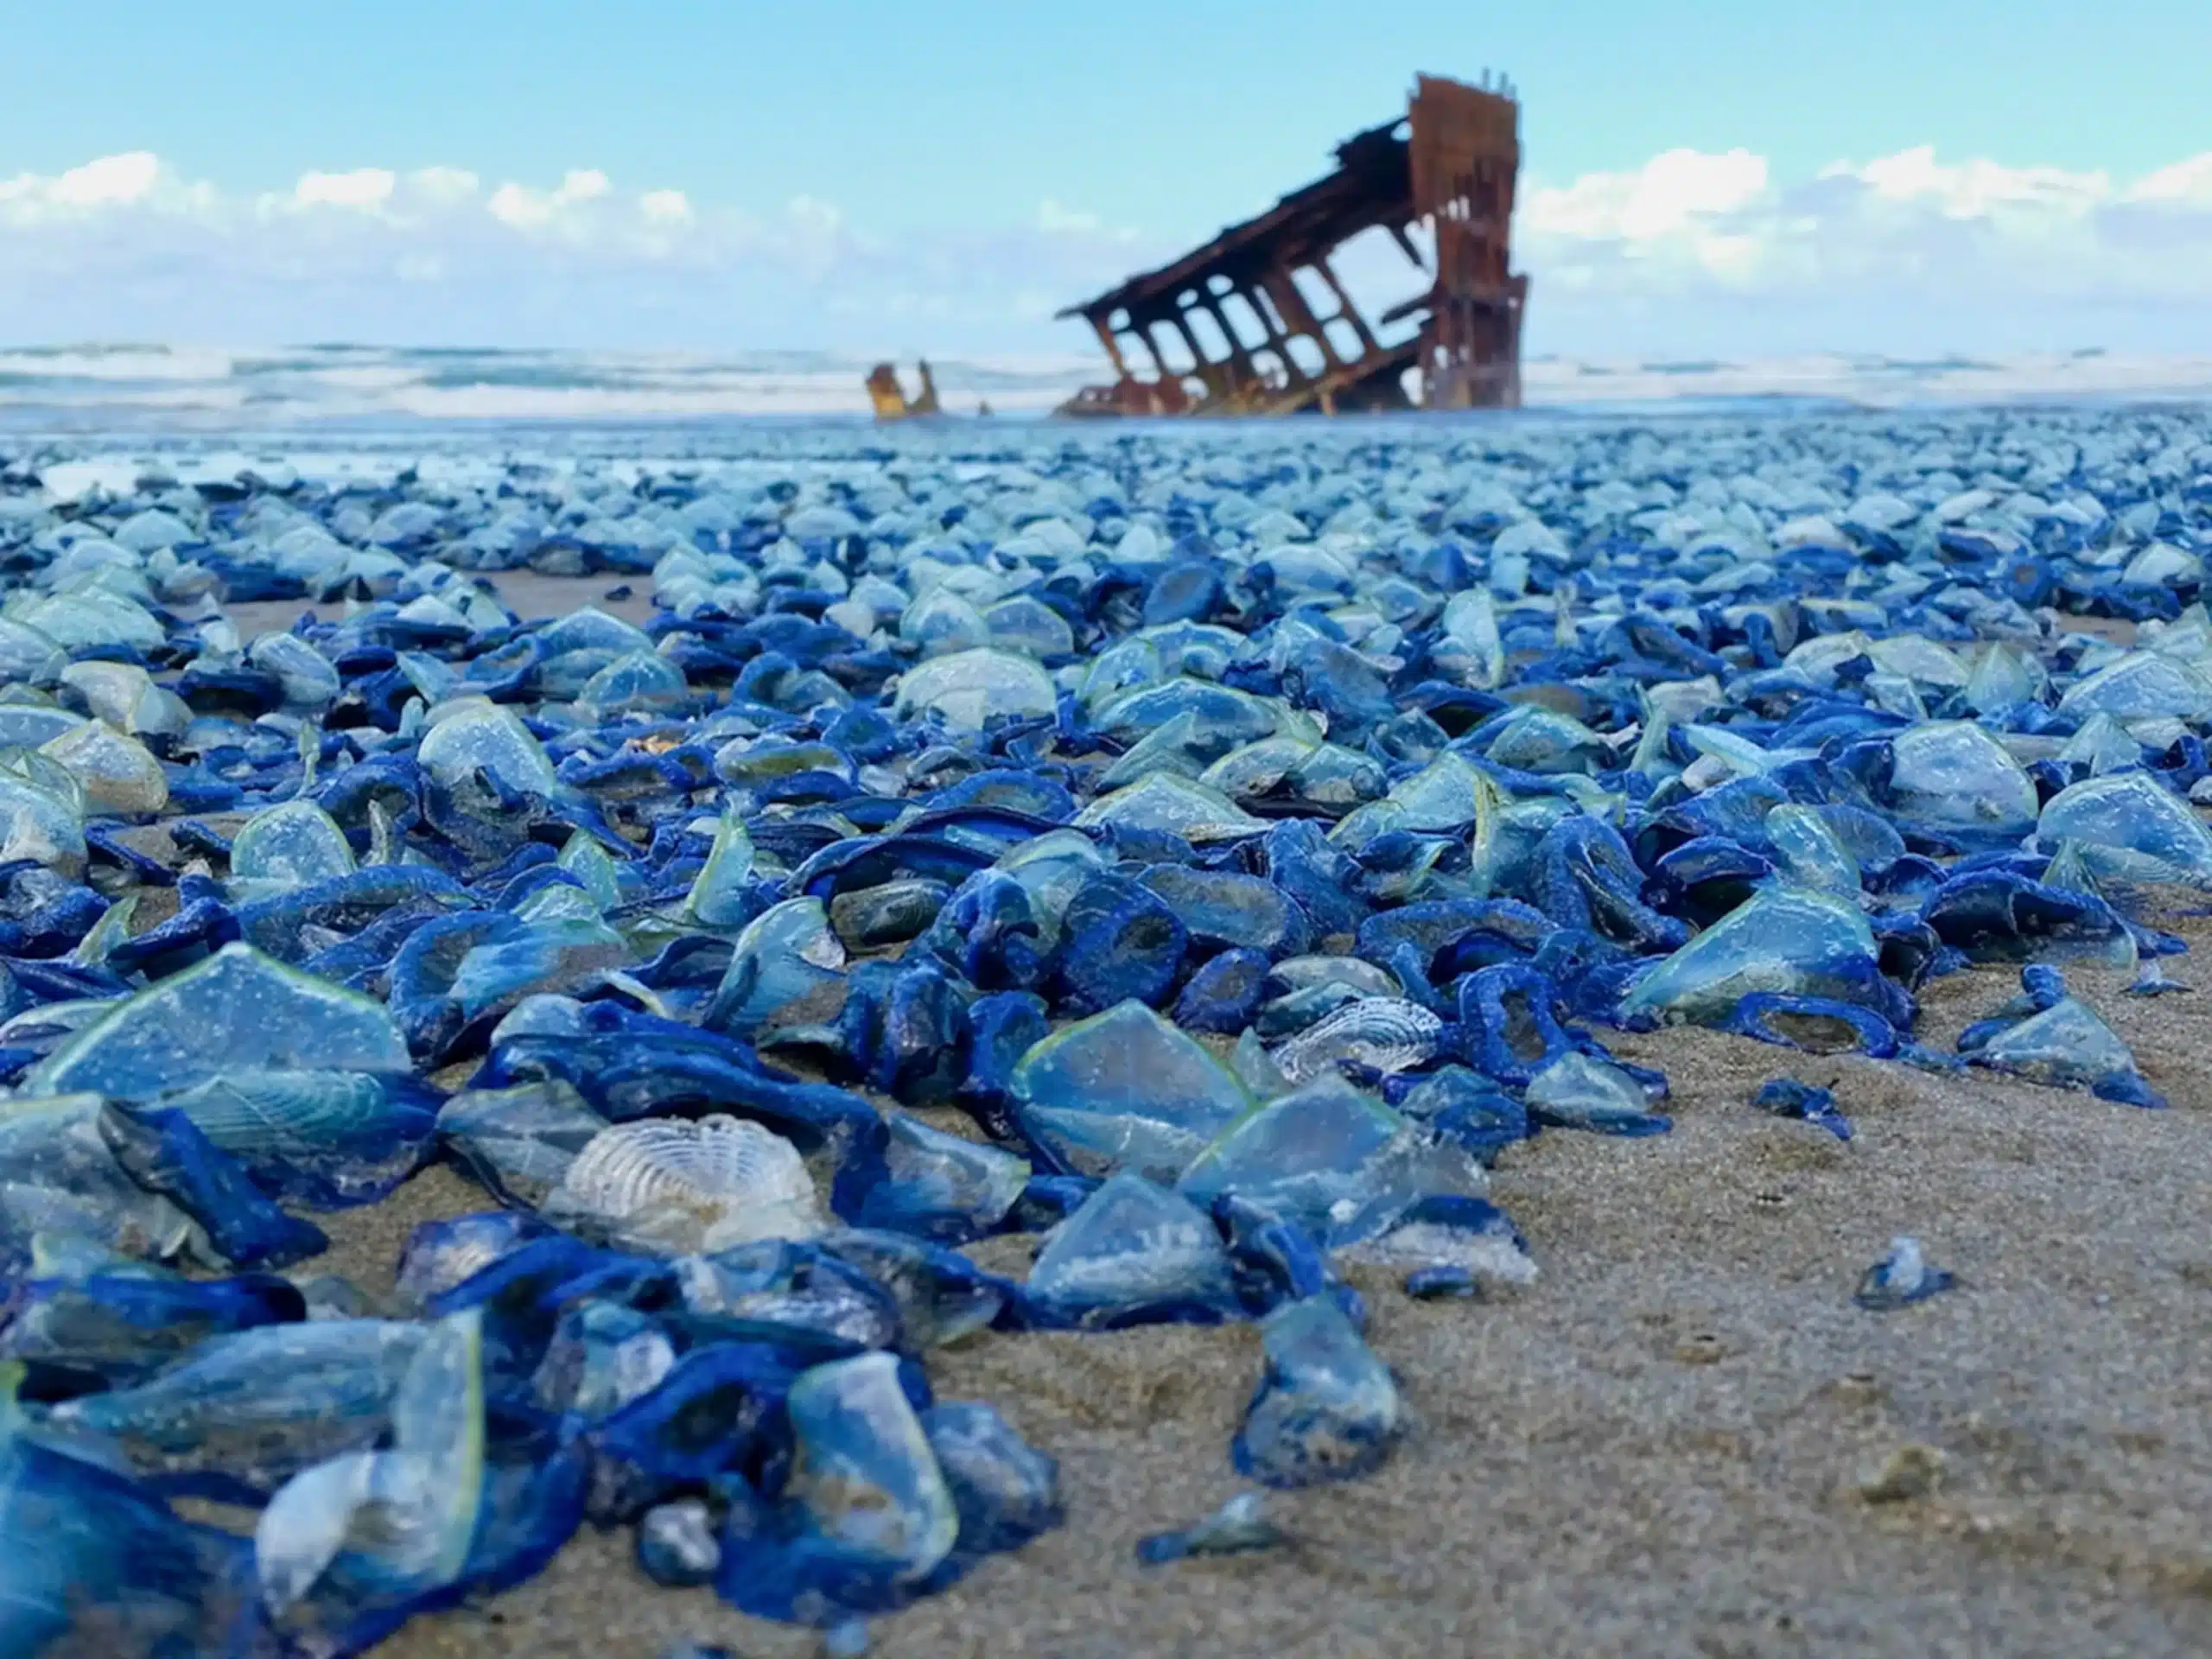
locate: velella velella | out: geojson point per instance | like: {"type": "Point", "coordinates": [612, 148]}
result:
{"type": "Point", "coordinates": [866, 1513]}
{"type": "Point", "coordinates": [1125, 1090]}
{"type": "Point", "coordinates": [1332, 1160]}
{"type": "Point", "coordinates": [82, 1532]}
{"type": "Point", "coordinates": [366, 1526]}
{"type": "Point", "coordinates": [1133, 1252]}
{"type": "Point", "coordinates": [1788, 1097]}
{"type": "Point", "coordinates": [1196, 862]}
{"type": "Point", "coordinates": [2049, 1037]}
{"type": "Point", "coordinates": [1783, 939]}
{"type": "Point", "coordinates": [1237, 1527]}
{"type": "Point", "coordinates": [1325, 1409]}
{"type": "Point", "coordinates": [243, 1412]}
{"type": "Point", "coordinates": [1901, 1277]}
{"type": "Point", "coordinates": [677, 1546]}
{"type": "Point", "coordinates": [1375, 1034]}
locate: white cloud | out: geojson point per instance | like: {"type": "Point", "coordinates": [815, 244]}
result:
{"type": "Point", "coordinates": [127, 247]}
{"type": "Point", "coordinates": [1974, 189]}
{"type": "Point", "coordinates": [523, 208]}
{"type": "Point", "coordinates": [111, 180]}
{"type": "Point", "coordinates": [1691, 252]}
{"type": "Point", "coordinates": [588, 185]}
{"type": "Point", "coordinates": [365, 187]}
{"type": "Point", "coordinates": [2188, 182]}
{"type": "Point", "coordinates": [822, 218]}
{"type": "Point", "coordinates": [513, 204]}
{"type": "Point", "coordinates": [443, 184]}
{"type": "Point", "coordinates": [1911, 251]}
{"type": "Point", "coordinates": [1052, 218]}
{"type": "Point", "coordinates": [1670, 194]}
{"type": "Point", "coordinates": [1678, 206]}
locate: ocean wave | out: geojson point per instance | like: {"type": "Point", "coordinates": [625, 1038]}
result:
{"type": "Point", "coordinates": [121, 386]}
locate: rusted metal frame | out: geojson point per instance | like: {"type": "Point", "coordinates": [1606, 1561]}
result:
{"type": "Point", "coordinates": [1238, 382]}
{"type": "Point", "coordinates": [1348, 187]}
{"type": "Point", "coordinates": [1142, 328]}
{"type": "Point", "coordinates": [1253, 293]}
{"type": "Point", "coordinates": [1348, 312]}
{"type": "Point", "coordinates": [1280, 284]}
{"type": "Point", "coordinates": [1105, 333]}
{"type": "Point", "coordinates": [1164, 313]}
{"type": "Point", "coordinates": [1220, 378]}
{"type": "Point", "coordinates": [1237, 366]}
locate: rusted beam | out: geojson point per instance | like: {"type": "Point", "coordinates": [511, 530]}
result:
{"type": "Point", "coordinates": [1113, 347]}
{"type": "Point", "coordinates": [1345, 308]}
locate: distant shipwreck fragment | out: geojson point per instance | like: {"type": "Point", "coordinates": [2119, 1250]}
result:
{"type": "Point", "coordinates": [1256, 321]}
{"type": "Point", "coordinates": [889, 398]}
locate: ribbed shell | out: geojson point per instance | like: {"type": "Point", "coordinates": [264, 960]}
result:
{"type": "Point", "coordinates": [681, 1187]}
{"type": "Point", "coordinates": [1386, 1032]}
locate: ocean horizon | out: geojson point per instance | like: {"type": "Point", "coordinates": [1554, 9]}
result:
{"type": "Point", "coordinates": [91, 388]}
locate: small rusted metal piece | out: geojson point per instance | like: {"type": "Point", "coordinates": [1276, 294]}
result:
{"type": "Point", "coordinates": [1256, 323]}
{"type": "Point", "coordinates": [889, 398]}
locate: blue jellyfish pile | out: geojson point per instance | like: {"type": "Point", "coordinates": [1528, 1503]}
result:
{"type": "Point", "coordinates": [1209, 850]}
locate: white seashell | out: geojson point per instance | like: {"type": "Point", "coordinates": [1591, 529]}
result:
{"type": "Point", "coordinates": [1387, 1034]}
{"type": "Point", "coordinates": [678, 1187]}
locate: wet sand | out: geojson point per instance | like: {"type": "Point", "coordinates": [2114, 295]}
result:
{"type": "Point", "coordinates": [1658, 1448]}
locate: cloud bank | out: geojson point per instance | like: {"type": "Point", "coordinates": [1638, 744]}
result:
{"type": "Point", "coordinates": [1908, 252]}
{"type": "Point", "coordinates": [1692, 252]}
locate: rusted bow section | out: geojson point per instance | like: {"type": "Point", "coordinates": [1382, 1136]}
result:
{"type": "Point", "coordinates": [1256, 321]}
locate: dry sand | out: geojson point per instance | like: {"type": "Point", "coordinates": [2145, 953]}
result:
{"type": "Point", "coordinates": [1658, 1448]}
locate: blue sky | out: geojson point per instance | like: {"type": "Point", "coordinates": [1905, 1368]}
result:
{"type": "Point", "coordinates": [1949, 174]}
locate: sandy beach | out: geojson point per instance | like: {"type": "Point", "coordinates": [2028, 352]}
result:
{"type": "Point", "coordinates": [1656, 1449]}
{"type": "Point", "coordinates": [1667, 1446]}
{"type": "Point", "coordinates": [1660, 1447]}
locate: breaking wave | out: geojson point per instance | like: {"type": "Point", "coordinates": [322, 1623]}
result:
{"type": "Point", "coordinates": [111, 386]}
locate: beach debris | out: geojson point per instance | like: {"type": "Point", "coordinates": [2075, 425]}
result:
{"type": "Point", "coordinates": [685, 1187]}
{"type": "Point", "coordinates": [1907, 1472]}
{"type": "Point", "coordinates": [1901, 1277]}
{"type": "Point", "coordinates": [1237, 1527]}
{"type": "Point", "coordinates": [1188, 863]}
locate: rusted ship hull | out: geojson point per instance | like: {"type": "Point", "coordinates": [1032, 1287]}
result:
{"type": "Point", "coordinates": [1256, 321]}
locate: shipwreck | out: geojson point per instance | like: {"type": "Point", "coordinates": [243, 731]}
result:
{"type": "Point", "coordinates": [1257, 321]}
{"type": "Point", "coordinates": [889, 398]}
